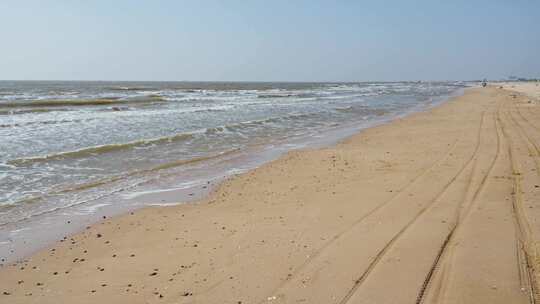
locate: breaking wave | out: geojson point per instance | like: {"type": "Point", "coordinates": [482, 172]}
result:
{"type": "Point", "coordinates": [80, 102]}
{"type": "Point", "coordinates": [100, 149]}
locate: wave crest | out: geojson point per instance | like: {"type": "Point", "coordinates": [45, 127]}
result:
{"type": "Point", "coordinates": [100, 149]}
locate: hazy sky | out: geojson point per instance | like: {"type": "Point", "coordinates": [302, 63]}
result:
{"type": "Point", "coordinates": [269, 40]}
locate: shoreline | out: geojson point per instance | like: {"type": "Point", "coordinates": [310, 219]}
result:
{"type": "Point", "coordinates": [345, 216]}
{"type": "Point", "coordinates": [60, 223]}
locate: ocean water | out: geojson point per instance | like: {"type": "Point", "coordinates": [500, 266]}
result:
{"type": "Point", "coordinates": [71, 148]}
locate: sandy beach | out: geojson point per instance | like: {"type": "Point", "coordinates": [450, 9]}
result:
{"type": "Point", "coordinates": [438, 207]}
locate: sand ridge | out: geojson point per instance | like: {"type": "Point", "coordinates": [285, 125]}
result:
{"type": "Point", "coordinates": [437, 207]}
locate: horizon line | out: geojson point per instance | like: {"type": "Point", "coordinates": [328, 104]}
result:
{"type": "Point", "coordinates": [248, 81]}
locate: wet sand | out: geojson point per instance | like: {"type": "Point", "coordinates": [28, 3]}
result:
{"type": "Point", "coordinates": [438, 207]}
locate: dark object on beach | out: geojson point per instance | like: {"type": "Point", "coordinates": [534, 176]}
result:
{"type": "Point", "coordinates": [484, 83]}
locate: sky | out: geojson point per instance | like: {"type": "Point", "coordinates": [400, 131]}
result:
{"type": "Point", "coordinates": [268, 40]}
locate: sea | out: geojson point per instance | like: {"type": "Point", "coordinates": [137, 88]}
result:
{"type": "Point", "coordinates": [73, 152]}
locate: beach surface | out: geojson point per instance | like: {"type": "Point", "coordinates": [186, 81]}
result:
{"type": "Point", "coordinates": [439, 207]}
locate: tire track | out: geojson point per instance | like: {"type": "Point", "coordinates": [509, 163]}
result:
{"type": "Point", "coordinates": [525, 135]}
{"type": "Point", "coordinates": [533, 149]}
{"type": "Point", "coordinates": [388, 245]}
{"type": "Point", "coordinates": [443, 253]}
{"type": "Point", "coordinates": [336, 237]}
{"type": "Point", "coordinates": [524, 118]}
{"type": "Point", "coordinates": [526, 254]}
{"type": "Point", "coordinates": [529, 109]}
{"type": "Point", "coordinates": [523, 229]}
{"type": "Point", "coordinates": [445, 250]}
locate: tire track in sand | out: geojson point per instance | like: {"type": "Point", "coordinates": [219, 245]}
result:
{"type": "Point", "coordinates": [389, 244]}
{"type": "Point", "coordinates": [336, 237]}
{"type": "Point", "coordinates": [532, 147]}
{"type": "Point", "coordinates": [443, 253]}
{"type": "Point", "coordinates": [522, 226]}
{"type": "Point", "coordinates": [526, 119]}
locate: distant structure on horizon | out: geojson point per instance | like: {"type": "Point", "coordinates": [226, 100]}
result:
{"type": "Point", "coordinates": [515, 78]}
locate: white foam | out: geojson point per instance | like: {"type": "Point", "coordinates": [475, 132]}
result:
{"type": "Point", "coordinates": [93, 208]}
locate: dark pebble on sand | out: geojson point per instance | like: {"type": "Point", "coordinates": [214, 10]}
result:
{"type": "Point", "coordinates": [153, 274]}
{"type": "Point", "coordinates": [98, 235]}
{"type": "Point", "coordinates": [187, 294]}
{"type": "Point", "coordinates": [6, 293]}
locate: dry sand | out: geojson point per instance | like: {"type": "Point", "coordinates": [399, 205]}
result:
{"type": "Point", "coordinates": [531, 89]}
{"type": "Point", "coordinates": [439, 207]}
